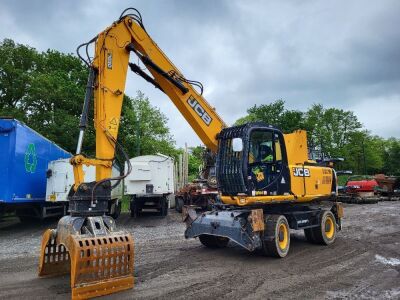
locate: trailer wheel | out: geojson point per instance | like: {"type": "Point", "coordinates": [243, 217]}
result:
{"type": "Point", "coordinates": [369, 200]}
{"type": "Point", "coordinates": [277, 232]}
{"type": "Point", "coordinates": [325, 233]}
{"type": "Point", "coordinates": [2, 210]}
{"type": "Point", "coordinates": [179, 204]}
{"type": "Point", "coordinates": [212, 241]}
{"type": "Point", "coordinates": [28, 219]}
{"type": "Point", "coordinates": [164, 207]}
{"type": "Point", "coordinates": [29, 214]}
{"type": "Point", "coordinates": [135, 210]}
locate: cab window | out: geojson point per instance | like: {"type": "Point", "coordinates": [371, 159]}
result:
{"type": "Point", "coordinates": [261, 147]}
{"type": "Point", "coordinates": [265, 160]}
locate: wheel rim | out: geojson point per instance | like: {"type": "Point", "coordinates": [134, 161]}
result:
{"type": "Point", "coordinates": [283, 236]}
{"type": "Point", "coordinates": [329, 227]}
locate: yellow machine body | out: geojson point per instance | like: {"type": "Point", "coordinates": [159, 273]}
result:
{"type": "Point", "coordinates": [101, 265]}
{"type": "Point", "coordinates": [112, 59]}
{"type": "Point", "coordinates": [308, 180]}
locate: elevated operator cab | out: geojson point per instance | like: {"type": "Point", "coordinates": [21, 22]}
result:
{"type": "Point", "coordinates": [257, 163]}
{"type": "Point", "coordinates": [252, 161]}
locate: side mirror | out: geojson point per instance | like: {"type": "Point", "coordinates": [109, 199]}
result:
{"type": "Point", "coordinates": [237, 145]}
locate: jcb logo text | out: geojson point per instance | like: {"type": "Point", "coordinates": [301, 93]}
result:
{"type": "Point", "coordinates": [301, 172]}
{"type": "Point", "coordinates": [199, 110]}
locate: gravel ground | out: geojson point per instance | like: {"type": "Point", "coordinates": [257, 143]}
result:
{"type": "Point", "coordinates": [363, 263]}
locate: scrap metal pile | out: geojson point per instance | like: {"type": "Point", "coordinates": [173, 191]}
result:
{"type": "Point", "coordinates": [364, 189]}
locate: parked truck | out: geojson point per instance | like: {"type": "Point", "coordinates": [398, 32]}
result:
{"type": "Point", "coordinates": [60, 179]}
{"type": "Point", "coordinates": [24, 155]}
{"type": "Point", "coordinates": [150, 184]}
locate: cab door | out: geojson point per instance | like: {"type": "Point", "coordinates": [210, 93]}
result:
{"type": "Point", "coordinates": [268, 172]}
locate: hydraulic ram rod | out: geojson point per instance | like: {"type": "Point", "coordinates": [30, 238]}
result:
{"type": "Point", "coordinates": [84, 117]}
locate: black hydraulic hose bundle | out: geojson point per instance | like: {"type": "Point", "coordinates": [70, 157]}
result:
{"type": "Point", "coordinates": [149, 63]}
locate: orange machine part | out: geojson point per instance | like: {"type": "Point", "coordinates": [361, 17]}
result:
{"type": "Point", "coordinates": [98, 265]}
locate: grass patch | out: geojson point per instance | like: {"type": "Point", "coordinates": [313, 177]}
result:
{"type": "Point", "coordinates": [342, 179]}
{"type": "Point", "coordinates": [125, 203]}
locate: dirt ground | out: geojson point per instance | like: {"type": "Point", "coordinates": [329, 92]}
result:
{"type": "Point", "coordinates": [363, 263]}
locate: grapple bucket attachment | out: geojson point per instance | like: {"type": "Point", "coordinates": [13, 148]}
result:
{"type": "Point", "coordinates": [54, 259]}
{"type": "Point", "coordinates": [98, 265]}
{"type": "Point", "coordinates": [101, 265]}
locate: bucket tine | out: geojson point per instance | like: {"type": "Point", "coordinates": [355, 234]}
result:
{"type": "Point", "coordinates": [98, 265]}
{"type": "Point", "coordinates": [101, 265]}
{"type": "Point", "coordinates": [54, 259]}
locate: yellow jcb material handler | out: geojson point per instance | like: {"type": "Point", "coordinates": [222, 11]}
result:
{"type": "Point", "coordinates": [266, 182]}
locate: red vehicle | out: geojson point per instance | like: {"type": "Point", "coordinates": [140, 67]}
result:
{"type": "Point", "coordinates": [361, 185]}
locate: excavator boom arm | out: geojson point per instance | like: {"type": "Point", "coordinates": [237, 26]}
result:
{"type": "Point", "coordinates": [110, 63]}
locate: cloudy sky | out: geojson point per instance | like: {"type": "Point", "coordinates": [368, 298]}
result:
{"type": "Point", "coordinates": [343, 54]}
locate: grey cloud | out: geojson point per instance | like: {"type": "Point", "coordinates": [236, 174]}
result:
{"type": "Point", "coordinates": [342, 54]}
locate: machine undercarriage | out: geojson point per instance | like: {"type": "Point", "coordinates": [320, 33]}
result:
{"type": "Point", "coordinates": [262, 227]}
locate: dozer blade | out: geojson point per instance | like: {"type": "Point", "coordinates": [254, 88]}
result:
{"type": "Point", "coordinates": [98, 265]}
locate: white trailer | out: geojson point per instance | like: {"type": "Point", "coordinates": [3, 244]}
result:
{"type": "Point", "coordinates": [60, 179]}
{"type": "Point", "coordinates": [151, 184]}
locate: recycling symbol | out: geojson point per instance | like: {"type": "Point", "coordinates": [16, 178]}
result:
{"type": "Point", "coordinates": [30, 158]}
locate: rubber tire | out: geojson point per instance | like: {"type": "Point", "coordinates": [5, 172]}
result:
{"type": "Point", "coordinates": [29, 215]}
{"type": "Point", "coordinates": [179, 204]}
{"type": "Point", "coordinates": [354, 200]}
{"type": "Point", "coordinates": [212, 241]}
{"type": "Point", "coordinates": [319, 232]}
{"type": "Point", "coordinates": [28, 219]}
{"type": "Point", "coordinates": [135, 212]}
{"type": "Point", "coordinates": [369, 201]}
{"type": "Point", "coordinates": [164, 207]}
{"type": "Point", "coordinates": [271, 248]}
{"type": "Point", "coordinates": [176, 204]}
{"type": "Point", "coordinates": [345, 199]}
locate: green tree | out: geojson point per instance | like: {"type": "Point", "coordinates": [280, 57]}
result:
{"type": "Point", "coordinates": [330, 129]}
{"type": "Point", "coordinates": [17, 62]}
{"type": "Point", "coordinates": [274, 114]}
{"type": "Point", "coordinates": [363, 153]}
{"type": "Point", "coordinates": [46, 91]}
{"type": "Point", "coordinates": [144, 129]}
{"type": "Point", "coordinates": [195, 161]}
{"type": "Point", "coordinates": [336, 132]}
{"type": "Point", "coordinates": [55, 97]}
{"type": "Point", "coordinates": [391, 157]}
